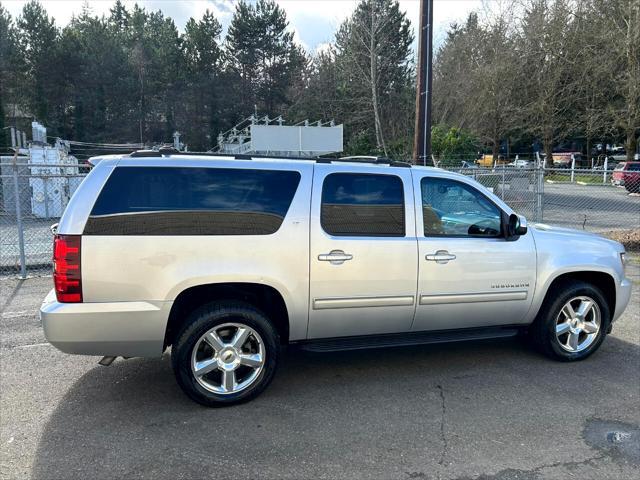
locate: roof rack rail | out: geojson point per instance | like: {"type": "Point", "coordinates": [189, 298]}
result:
{"type": "Point", "coordinates": [243, 156]}
{"type": "Point", "coordinates": [144, 153]}
{"type": "Point", "coordinates": [237, 156]}
{"type": "Point", "coordinates": [167, 150]}
{"type": "Point", "coordinates": [374, 160]}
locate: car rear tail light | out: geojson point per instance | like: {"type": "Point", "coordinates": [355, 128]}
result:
{"type": "Point", "coordinates": [67, 277]}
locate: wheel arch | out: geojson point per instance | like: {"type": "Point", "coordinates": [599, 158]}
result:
{"type": "Point", "coordinates": [264, 297]}
{"type": "Point", "coordinates": [602, 280]}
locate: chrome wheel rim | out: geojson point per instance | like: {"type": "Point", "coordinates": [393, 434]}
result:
{"type": "Point", "coordinates": [578, 324]}
{"type": "Point", "coordinates": [228, 358]}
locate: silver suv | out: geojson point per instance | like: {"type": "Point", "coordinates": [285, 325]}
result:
{"type": "Point", "coordinates": [227, 259]}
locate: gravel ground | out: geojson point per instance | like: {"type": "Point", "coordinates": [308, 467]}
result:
{"type": "Point", "coordinates": [490, 410]}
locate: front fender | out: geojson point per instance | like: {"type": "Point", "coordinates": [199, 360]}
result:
{"type": "Point", "coordinates": [561, 252]}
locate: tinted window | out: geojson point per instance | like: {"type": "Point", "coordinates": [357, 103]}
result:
{"type": "Point", "coordinates": [363, 205]}
{"type": "Point", "coordinates": [192, 201]}
{"type": "Point", "coordinates": [633, 166]}
{"type": "Point", "coordinates": [452, 208]}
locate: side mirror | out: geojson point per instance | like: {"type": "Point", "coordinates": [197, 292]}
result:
{"type": "Point", "coordinates": [522, 226]}
{"type": "Point", "coordinates": [515, 227]}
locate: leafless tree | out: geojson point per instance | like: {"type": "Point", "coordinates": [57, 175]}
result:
{"type": "Point", "coordinates": [373, 49]}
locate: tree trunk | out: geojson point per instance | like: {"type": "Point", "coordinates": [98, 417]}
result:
{"type": "Point", "coordinates": [376, 113]}
{"type": "Point", "coordinates": [141, 104]}
{"type": "Point", "coordinates": [495, 139]}
{"type": "Point", "coordinates": [547, 142]}
{"type": "Point", "coordinates": [374, 84]}
{"type": "Point", "coordinates": [631, 144]}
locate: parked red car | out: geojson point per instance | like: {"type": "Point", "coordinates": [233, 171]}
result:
{"type": "Point", "coordinates": [616, 176]}
{"type": "Point", "coordinates": [627, 174]}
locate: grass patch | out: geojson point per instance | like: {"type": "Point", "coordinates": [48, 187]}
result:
{"type": "Point", "coordinates": [566, 177]}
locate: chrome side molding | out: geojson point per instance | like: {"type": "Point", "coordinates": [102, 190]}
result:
{"type": "Point", "coordinates": [473, 297]}
{"type": "Point", "coordinates": [356, 302]}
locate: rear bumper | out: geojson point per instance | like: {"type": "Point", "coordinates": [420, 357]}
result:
{"type": "Point", "coordinates": [130, 329]}
{"type": "Point", "coordinates": [622, 298]}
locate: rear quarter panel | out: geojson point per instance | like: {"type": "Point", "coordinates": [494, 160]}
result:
{"type": "Point", "coordinates": [157, 268]}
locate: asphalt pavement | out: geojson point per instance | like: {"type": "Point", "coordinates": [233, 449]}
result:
{"type": "Point", "coordinates": [482, 410]}
{"type": "Point", "coordinates": [596, 208]}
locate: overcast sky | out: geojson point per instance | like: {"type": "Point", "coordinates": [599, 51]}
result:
{"type": "Point", "coordinates": [313, 21]}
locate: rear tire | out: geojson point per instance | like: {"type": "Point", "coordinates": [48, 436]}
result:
{"type": "Point", "coordinates": [571, 324]}
{"type": "Point", "coordinates": [226, 353]}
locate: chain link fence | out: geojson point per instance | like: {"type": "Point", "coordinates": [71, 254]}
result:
{"type": "Point", "coordinates": [520, 188]}
{"type": "Point", "coordinates": [33, 197]}
{"type": "Point", "coordinates": [584, 199]}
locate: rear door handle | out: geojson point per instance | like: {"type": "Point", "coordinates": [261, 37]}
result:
{"type": "Point", "coordinates": [336, 257]}
{"type": "Point", "coordinates": [441, 256]}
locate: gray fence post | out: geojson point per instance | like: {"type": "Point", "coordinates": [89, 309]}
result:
{"type": "Point", "coordinates": [539, 172]}
{"type": "Point", "coordinates": [16, 196]}
{"type": "Point", "coordinates": [46, 196]}
{"type": "Point", "coordinates": [573, 167]}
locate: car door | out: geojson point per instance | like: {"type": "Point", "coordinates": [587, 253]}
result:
{"type": "Point", "coordinates": [469, 274]}
{"type": "Point", "coordinates": [363, 251]}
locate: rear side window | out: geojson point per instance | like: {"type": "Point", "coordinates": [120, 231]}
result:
{"type": "Point", "coordinates": [633, 166]}
{"type": "Point", "coordinates": [192, 201]}
{"type": "Point", "coordinates": [363, 205]}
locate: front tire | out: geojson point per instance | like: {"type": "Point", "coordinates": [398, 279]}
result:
{"type": "Point", "coordinates": [226, 353]}
{"type": "Point", "coordinates": [572, 324]}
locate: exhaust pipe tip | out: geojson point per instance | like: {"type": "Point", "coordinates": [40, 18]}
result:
{"type": "Point", "coordinates": [106, 361]}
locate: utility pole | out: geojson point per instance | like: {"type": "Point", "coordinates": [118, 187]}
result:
{"type": "Point", "coordinates": [422, 139]}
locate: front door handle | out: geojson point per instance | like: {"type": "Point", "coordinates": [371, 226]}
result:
{"type": "Point", "coordinates": [441, 256]}
{"type": "Point", "coordinates": [336, 257]}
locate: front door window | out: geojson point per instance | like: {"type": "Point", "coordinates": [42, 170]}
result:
{"type": "Point", "coordinates": [455, 209]}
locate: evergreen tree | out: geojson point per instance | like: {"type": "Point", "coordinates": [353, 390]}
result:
{"type": "Point", "coordinates": [201, 46]}
{"type": "Point", "coordinates": [37, 39]}
{"type": "Point", "coordinates": [119, 17]}
{"type": "Point", "coordinates": [263, 56]}
{"type": "Point", "coordinates": [97, 81]}
{"type": "Point", "coordinates": [7, 44]}
{"type": "Point", "coordinates": [3, 132]}
{"type": "Point", "coordinates": [316, 95]}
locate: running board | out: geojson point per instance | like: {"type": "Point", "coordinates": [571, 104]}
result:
{"type": "Point", "coordinates": [406, 339]}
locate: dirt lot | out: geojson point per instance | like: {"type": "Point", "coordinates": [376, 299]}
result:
{"type": "Point", "coordinates": [491, 410]}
